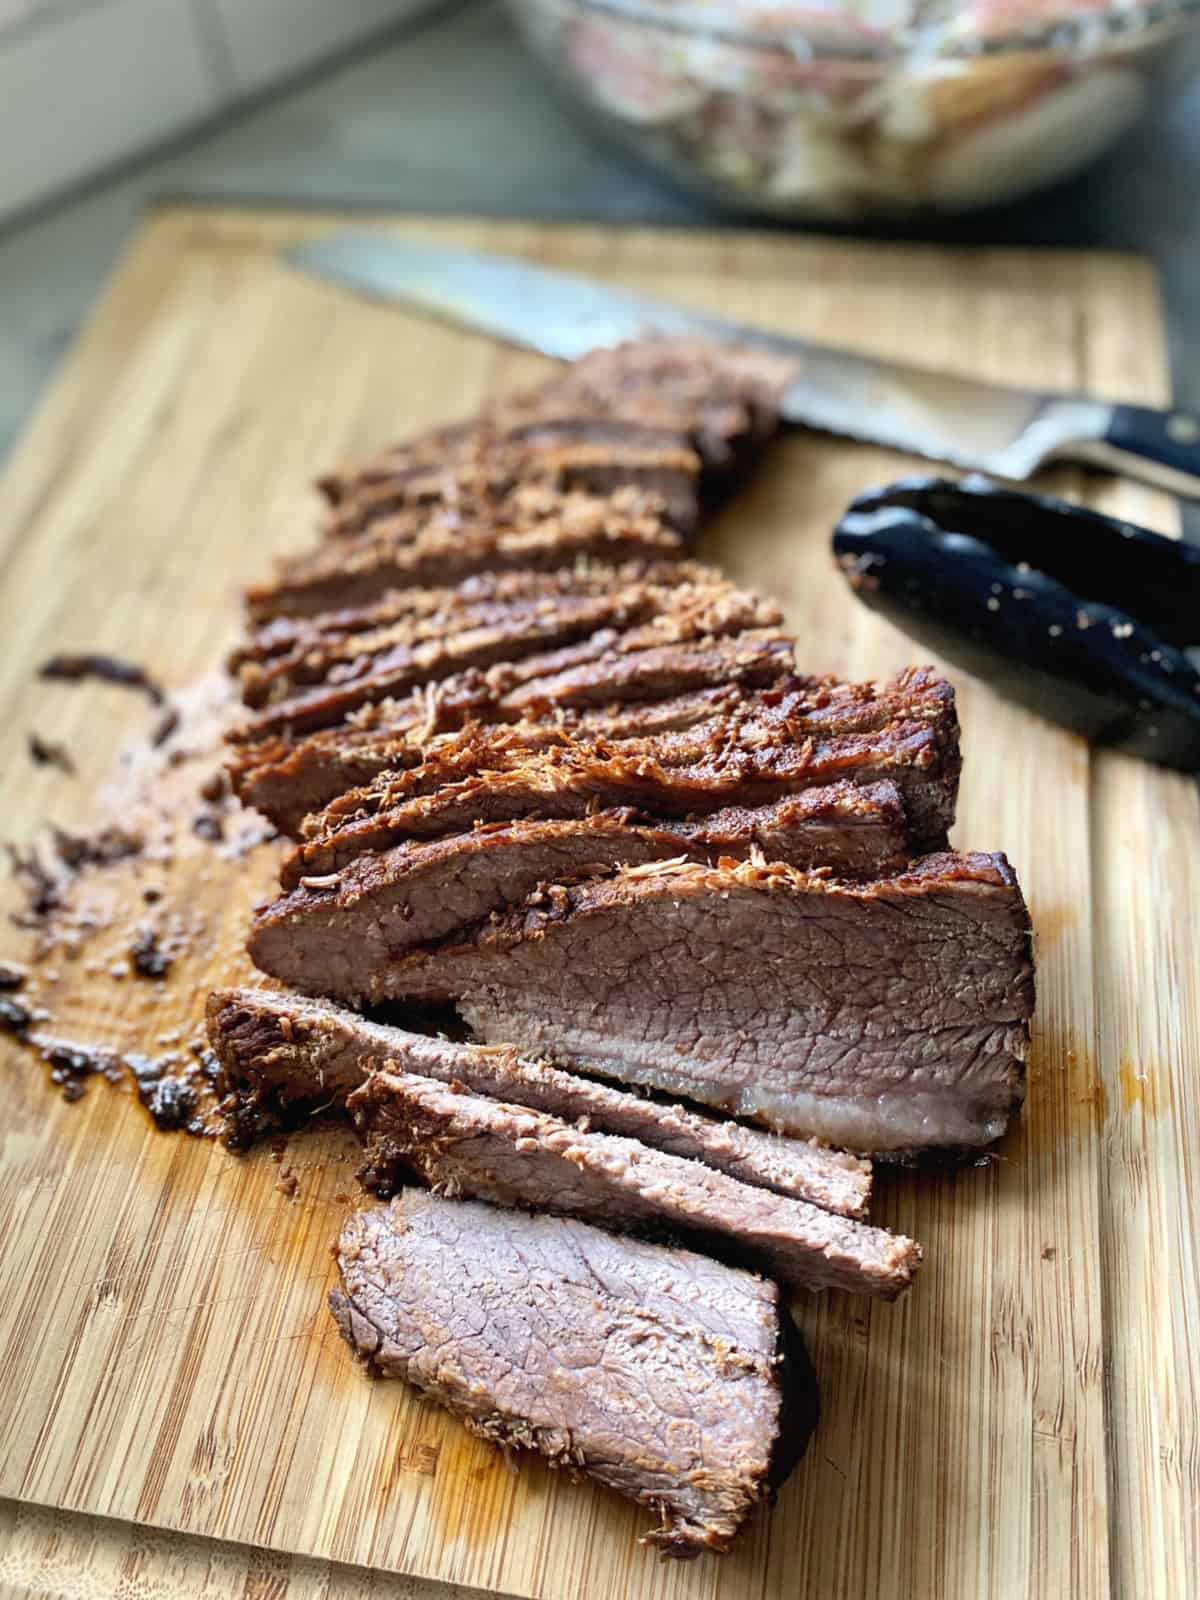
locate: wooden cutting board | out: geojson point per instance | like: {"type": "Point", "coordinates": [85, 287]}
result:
{"type": "Point", "coordinates": [1022, 1423]}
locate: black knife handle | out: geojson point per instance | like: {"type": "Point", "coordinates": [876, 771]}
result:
{"type": "Point", "coordinates": [1162, 447]}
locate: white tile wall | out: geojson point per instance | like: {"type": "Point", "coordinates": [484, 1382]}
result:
{"type": "Point", "coordinates": [83, 92]}
{"type": "Point", "coordinates": [86, 83]}
{"type": "Point", "coordinates": [270, 38]}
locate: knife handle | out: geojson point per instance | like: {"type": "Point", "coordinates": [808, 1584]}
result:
{"type": "Point", "coordinates": [1159, 447]}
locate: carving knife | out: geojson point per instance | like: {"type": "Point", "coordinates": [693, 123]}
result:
{"type": "Point", "coordinates": [1007, 433]}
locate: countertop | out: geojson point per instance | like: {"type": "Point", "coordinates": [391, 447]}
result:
{"type": "Point", "coordinates": [447, 114]}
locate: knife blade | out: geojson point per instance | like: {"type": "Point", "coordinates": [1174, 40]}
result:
{"type": "Point", "coordinates": [1005, 432]}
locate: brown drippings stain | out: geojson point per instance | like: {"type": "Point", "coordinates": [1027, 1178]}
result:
{"type": "Point", "coordinates": [412, 1457]}
{"type": "Point", "coordinates": [1139, 1087]}
{"type": "Point", "coordinates": [1065, 1094]}
{"type": "Point", "coordinates": [1086, 1085]}
{"type": "Point", "coordinates": [475, 1484]}
{"type": "Point", "coordinates": [1050, 923]}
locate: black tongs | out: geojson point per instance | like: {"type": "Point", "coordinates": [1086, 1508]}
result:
{"type": "Point", "coordinates": [1080, 617]}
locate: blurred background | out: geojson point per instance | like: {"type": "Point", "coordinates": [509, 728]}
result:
{"type": "Point", "coordinates": [1066, 122]}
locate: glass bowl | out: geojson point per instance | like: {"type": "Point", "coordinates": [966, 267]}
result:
{"type": "Point", "coordinates": [845, 110]}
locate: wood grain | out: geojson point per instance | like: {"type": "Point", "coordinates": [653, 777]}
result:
{"type": "Point", "coordinates": [1024, 1422]}
{"type": "Point", "coordinates": [62, 1555]}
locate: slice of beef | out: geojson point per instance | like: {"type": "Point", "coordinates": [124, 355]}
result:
{"type": "Point", "coordinates": [794, 733]}
{"type": "Point", "coordinates": [420, 893]}
{"type": "Point", "coordinates": [678, 1382]}
{"type": "Point", "coordinates": [855, 832]}
{"type": "Point", "coordinates": [725, 399]}
{"type": "Point", "coordinates": [465, 1144]}
{"type": "Point", "coordinates": [423, 453]}
{"type": "Point", "coordinates": [665, 394]}
{"type": "Point", "coordinates": [744, 767]}
{"type": "Point", "coordinates": [718, 643]}
{"type": "Point", "coordinates": [489, 776]}
{"type": "Point", "coordinates": [409, 653]}
{"type": "Point", "coordinates": [884, 1017]}
{"type": "Point", "coordinates": [490, 594]}
{"type": "Point", "coordinates": [400, 656]}
{"type": "Point", "coordinates": [287, 779]}
{"type": "Point", "coordinates": [282, 1056]}
{"type": "Point", "coordinates": [601, 458]}
{"type": "Point", "coordinates": [595, 458]}
{"type": "Point", "coordinates": [427, 549]}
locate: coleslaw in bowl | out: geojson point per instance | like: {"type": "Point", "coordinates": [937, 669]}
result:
{"type": "Point", "coordinates": [851, 109]}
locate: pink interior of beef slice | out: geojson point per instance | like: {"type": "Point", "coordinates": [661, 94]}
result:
{"type": "Point", "coordinates": [332, 681]}
{"type": "Point", "coordinates": [885, 1017]}
{"type": "Point", "coordinates": [428, 547]}
{"type": "Point", "coordinates": [672, 1379]}
{"type": "Point", "coordinates": [281, 1055]}
{"type": "Point", "coordinates": [471, 1145]}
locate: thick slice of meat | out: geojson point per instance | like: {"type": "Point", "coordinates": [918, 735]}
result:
{"type": "Point", "coordinates": [287, 779]}
{"type": "Point", "coordinates": [492, 776]}
{"type": "Point", "coordinates": [420, 893]}
{"type": "Point", "coordinates": [707, 646]}
{"type": "Point", "coordinates": [884, 1017]}
{"type": "Point", "coordinates": [725, 399]}
{"type": "Point", "coordinates": [855, 832]}
{"type": "Point", "coordinates": [282, 1056]}
{"type": "Point", "coordinates": [423, 548]}
{"type": "Point", "coordinates": [793, 734]}
{"type": "Point", "coordinates": [595, 458]}
{"type": "Point", "coordinates": [405, 654]}
{"type": "Point", "coordinates": [426, 890]}
{"type": "Point", "coordinates": [553, 638]}
{"type": "Point", "coordinates": [466, 1144]}
{"type": "Point", "coordinates": [678, 1382]}
{"type": "Point", "coordinates": [486, 595]}
{"type": "Point", "coordinates": [656, 394]}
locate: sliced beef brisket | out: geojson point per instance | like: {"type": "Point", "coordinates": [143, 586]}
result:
{"type": "Point", "coordinates": [678, 1382]}
{"type": "Point", "coordinates": [508, 654]}
{"type": "Point", "coordinates": [287, 779]}
{"type": "Point", "coordinates": [281, 1056]}
{"type": "Point", "coordinates": [906, 774]}
{"type": "Point", "coordinates": [885, 1017]}
{"type": "Point", "coordinates": [485, 596]}
{"type": "Point", "coordinates": [786, 734]}
{"type": "Point", "coordinates": [717, 403]}
{"type": "Point", "coordinates": [596, 458]}
{"type": "Point", "coordinates": [466, 1144]}
{"type": "Point", "coordinates": [535, 529]}
{"type": "Point", "coordinates": [858, 833]}
{"type": "Point", "coordinates": [608, 667]}
{"type": "Point", "coordinates": [417, 894]}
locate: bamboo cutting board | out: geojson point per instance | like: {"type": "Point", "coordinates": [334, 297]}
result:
{"type": "Point", "coordinates": [1024, 1421]}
